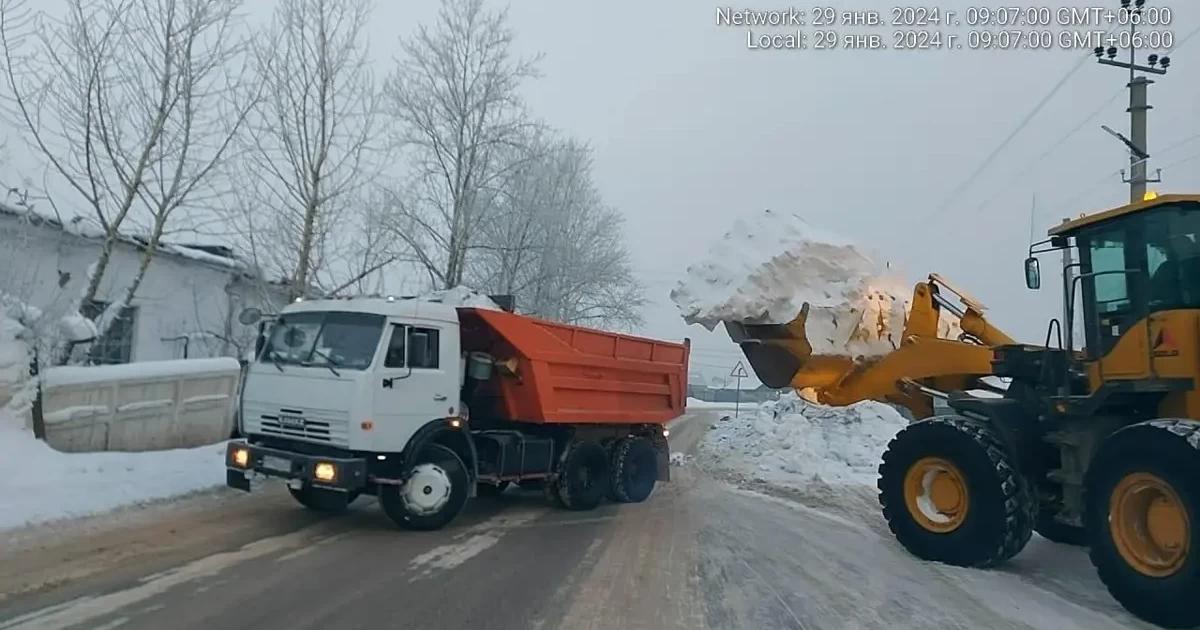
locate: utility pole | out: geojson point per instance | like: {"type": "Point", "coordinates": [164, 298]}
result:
{"type": "Point", "coordinates": [1131, 11]}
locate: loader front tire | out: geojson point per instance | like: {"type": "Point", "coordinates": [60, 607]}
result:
{"type": "Point", "coordinates": [582, 483]}
{"type": "Point", "coordinates": [949, 493]}
{"type": "Point", "coordinates": [1143, 519]}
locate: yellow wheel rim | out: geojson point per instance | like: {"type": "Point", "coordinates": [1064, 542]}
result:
{"type": "Point", "coordinates": [1149, 525]}
{"type": "Point", "coordinates": [936, 495]}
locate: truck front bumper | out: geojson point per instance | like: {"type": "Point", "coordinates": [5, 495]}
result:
{"type": "Point", "coordinates": [243, 461]}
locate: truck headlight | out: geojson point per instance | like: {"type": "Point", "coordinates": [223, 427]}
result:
{"type": "Point", "coordinates": [325, 471]}
{"type": "Point", "coordinates": [241, 457]}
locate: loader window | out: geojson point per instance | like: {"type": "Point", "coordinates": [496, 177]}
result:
{"type": "Point", "coordinates": [1112, 301]}
{"type": "Point", "coordinates": [1173, 257]}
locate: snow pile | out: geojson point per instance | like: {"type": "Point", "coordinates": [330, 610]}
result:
{"type": "Point", "coordinates": [77, 328]}
{"type": "Point", "coordinates": [15, 354]}
{"type": "Point", "coordinates": [39, 484]}
{"type": "Point", "coordinates": [792, 442]}
{"type": "Point", "coordinates": [766, 271]}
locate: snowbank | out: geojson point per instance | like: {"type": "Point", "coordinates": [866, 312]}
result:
{"type": "Point", "coordinates": [38, 483]}
{"type": "Point", "coordinates": [791, 442]}
{"type": "Point", "coordinates": [767, 270]}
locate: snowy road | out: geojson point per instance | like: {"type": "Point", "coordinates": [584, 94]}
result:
{"type": "Point", "coordinates": [700, 554]}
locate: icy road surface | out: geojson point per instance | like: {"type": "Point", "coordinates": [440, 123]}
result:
{"type": "Point", "coordinates": [700, 554]}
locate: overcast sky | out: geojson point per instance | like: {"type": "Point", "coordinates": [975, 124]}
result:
{"type": "Point", "coordinates": [692, 130]}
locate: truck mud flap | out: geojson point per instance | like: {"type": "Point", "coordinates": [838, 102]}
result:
{"type": "Point", "coordinates": [237, 479]}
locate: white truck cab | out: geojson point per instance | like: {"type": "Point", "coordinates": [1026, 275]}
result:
{"type": "Point", "coordinates": [364, 379]}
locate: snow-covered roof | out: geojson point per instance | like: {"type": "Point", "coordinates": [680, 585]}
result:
{"type": "Point", "coordinates": [84, 227]}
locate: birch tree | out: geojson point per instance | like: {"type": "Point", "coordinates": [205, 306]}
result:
{"type": "Point", "coordinates": [132, 105]}
{"type": "Point", "coordinates": [454, 98]}
{"type": "Point", "coordinates": [553, 243]}
{"type": "Point", "coordinates": [312, 140]}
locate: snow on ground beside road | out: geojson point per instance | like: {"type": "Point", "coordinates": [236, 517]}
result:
{"type": "Point", "coordinates": [823, 457]}
{"type": "Point", "coordinates": [696, 403]}
{"type": "Point", "coordinates": [767, 270]}
{"type": "Point", "coordinates": [790, 441]}
{"type": "Point", "coordinates": [39, 484]}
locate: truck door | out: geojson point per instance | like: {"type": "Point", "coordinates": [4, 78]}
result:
{"type": "Point", "coordinates": [415, 383]}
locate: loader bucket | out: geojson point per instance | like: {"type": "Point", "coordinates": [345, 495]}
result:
{"type": "Point", "coordinates": [781, 355]}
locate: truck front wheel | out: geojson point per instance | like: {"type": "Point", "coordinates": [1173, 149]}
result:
{"type": "Point", "coordinates": [433, 494]}
{"type": "Point", "coordinates": [582, 483]}
{"type": "Point", "coordinates": [634, 470]}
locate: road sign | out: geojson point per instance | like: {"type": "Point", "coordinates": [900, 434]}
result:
{"type": "Point", "coordinates": [739, 371]}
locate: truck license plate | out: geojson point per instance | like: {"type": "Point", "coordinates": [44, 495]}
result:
{"type": "Point", "coordinates": [277, 463]}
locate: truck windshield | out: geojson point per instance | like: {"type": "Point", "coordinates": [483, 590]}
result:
{"type": "Point", "coordinates": [339, 340]}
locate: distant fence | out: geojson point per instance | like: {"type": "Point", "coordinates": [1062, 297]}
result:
{"type": "Point", "coordinates": [144, 406]}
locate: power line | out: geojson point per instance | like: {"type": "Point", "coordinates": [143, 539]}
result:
{"type": "Point", "coordinates": [1032, 164]}
{"type": "Point", "coordinates": [947, 203]}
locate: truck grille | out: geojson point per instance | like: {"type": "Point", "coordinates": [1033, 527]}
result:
{"type": "Point", "coordinates": [312, 425]}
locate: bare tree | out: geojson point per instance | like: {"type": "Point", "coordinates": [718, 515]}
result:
{"type": "Point", "coordinates": [132, 105]}
{"type": "Point", "coordinates": [454, 98]}
{"type": "Point", "coordinates": [551, 242]}
{"type": "Point", "coordinates": [311, 139]}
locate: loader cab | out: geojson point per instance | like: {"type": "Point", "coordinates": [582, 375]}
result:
{"type": "Point", "coordinates": [1135, 290]}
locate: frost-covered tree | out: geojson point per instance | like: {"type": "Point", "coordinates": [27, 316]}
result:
{"type": "Point", "coordinates": [454, 99]}
{"type": "Point", "coordinates": [550, 240]}
{"type": "Point", "coordinates": [132, 106]}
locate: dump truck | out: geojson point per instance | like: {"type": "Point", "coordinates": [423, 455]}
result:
{"type": "Point", "coordinates": [426, 404]}
{"type": "Point", "coordinates": [1103, 438]}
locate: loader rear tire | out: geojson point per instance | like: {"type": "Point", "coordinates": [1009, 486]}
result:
{"type": "Point", "coordinates": [582, 483]}
{"type": "Point", "coordinates": [949, 493]}
{"type": "Point", "coordinates": [634, 470]}
{"type": "Point", "coordinates": [1143, 519]}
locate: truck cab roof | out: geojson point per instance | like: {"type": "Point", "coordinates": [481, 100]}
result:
{"type": "Point", "coordinates": [403, 308]}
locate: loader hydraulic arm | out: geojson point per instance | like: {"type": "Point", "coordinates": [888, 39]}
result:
{"type": "Point", "coordinates": [781, 354]}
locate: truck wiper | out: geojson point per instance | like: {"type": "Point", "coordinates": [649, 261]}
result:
{"type": "Point", "coordinates": [275, 361]}
{"type": "Point", "coordinates": [329, 362]}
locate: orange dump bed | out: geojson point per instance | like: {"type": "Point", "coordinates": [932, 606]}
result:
{"type": "Point", "coordinates": [561, 374]}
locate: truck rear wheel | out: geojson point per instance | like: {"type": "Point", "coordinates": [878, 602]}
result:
{"type": "Point", "coordinates": [434, 493]}
{"type": "Point", "coordinates": [321, 500]}
{"type": "Point", "coordinates": [1142, 517]}
{"type": "Point", "coordinates": [950, 495]}
{"type": "Point", "coordinates": [582, 483]}
{"type": "Point", "coordinates": [634, 470]}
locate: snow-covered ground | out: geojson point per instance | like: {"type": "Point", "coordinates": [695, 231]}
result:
{"type": "Point", "coordinates": [791, 442]}
{"type": "Point", "coordinates": [39, 484]}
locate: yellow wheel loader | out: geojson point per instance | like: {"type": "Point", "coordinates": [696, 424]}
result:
{"type": "Point", "coordinates": [920, 373]}
{"type": "Point", "coordinates": [1104, 439]}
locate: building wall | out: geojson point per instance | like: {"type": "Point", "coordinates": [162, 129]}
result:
{"type": "Point", "coordinates": [46, 267]}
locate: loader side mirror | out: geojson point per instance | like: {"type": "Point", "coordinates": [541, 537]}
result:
{"type": "Point", "coordinates": [1033, 273]}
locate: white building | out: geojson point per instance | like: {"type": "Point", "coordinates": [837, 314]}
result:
{"type": "Point", "coordinates": [185, 307]}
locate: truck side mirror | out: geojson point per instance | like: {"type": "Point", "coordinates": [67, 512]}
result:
{"type": "Point", "coordinates": [1033, 274]}
{"type": "Point", "coordinates": [250, 316]}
